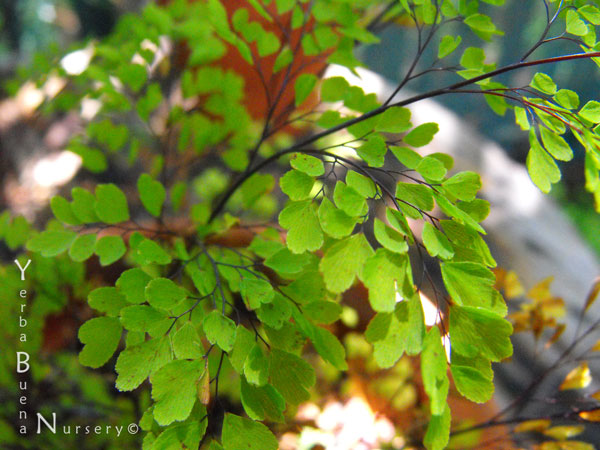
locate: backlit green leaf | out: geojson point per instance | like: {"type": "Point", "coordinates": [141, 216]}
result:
{"type": "Point", "coordinates": [436, 243]}
{"type": "Point", "coordinates": [381, 274]}
{"type": "Point", "coordinates": [475, 331]}
{"type": "Point", "coordinates": [297, 185]}
{"type": "Point", "coordinates": [343, 261]}
{"type": "Point", "coordinates": [220, 330]}
{"type": "Point", "coordinates": [304, 232]}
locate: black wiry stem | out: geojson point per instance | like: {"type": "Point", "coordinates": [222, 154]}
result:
{"type": "Point", "coordinates": [375, 112]}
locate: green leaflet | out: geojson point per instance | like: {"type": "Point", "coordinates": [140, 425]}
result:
{"type": "Point", "coordinates": [464, 185]}
{"type": "Point", "coordinates": [567, 99]}
{"type": "Point", "coordinates": [62, 210]}
{"type": "Point", "coordinates": [143, 318]}
{"type": "Point", "coordinates": [326, 344]}
{"type": "Point", "coordinates": [335, 222]}
{"type": "Point", "coordinates": [349, 200]}
{"type": "Point", "coordinates": [188, 433]}
{"type": "Point", "coordinates": [297, 185]}
{"type": "Point", "coordinates": [110, 249]}
{"type": "Point", "coordinates": [243, 344]}
{"type": "Point", "coordinates": [82, 247]}
{"type": "Point", "coordinates": [219, 330]}
{"type": "Point", "coordinates": [291, 375]}
{"type": "Point", "coordinates": [431, 168]}
{"type": "Point", "coordinates": [262, 403]}
{"type": "Point", "coordinates": [187, 343]}
{"type": "Point", "coordinates": [574, 24]}
{"type": "Point", "coordinates": [334, 89]}
{"type": "Point", "coordinates": [540, 165]}
{"type": "Point", "coordinates": [51, 243]}
{"type": "Point", "coordinates": [256, 366]}
{"type": "Point", "coordinates": [382, 273]}
{"type": "Point", "coordinates": [174, 388]}
{"type": "Point", "coordinates": [329, 347]}
{"type": "Point", "coordinates": [473, 378]}
{"type": "Point", "coordinates": [421, 135]}
{"type": "Point", "coordinates": [434, 371]}
{"type": "Point", "coordinates": [591, 111]}
{"type": "Point", "coordinates": [152, 194]}
{"type": "Point", "coordinates": [101, 336]}
{"type": "Point", "coordinates": [389, 238]}
{"type": "Point", "coordinates": [239, 432]}
{"type": "Point", "coordinates": [447, 45]}
{"type": "Point", "coordinates": [556, 145]}
{"type": "Point", "coordinates": [436, 243]}
{"type": "Point", "coordinates": [472, 284]}
{"type": "Point", "coordinates": [343, 261]}
{"type": "Point", "coordinates": [111, 204]}
{"type": "Point", "coordinates": [308, 164]}
{"type": "Point", "coordinates": [83, 205]}
{"type": "Point", "coordinates": [276, 312]}
{"type": "Point", "coordinates": [406, 156]}
{"type": "Point", "coordinates": [322, 311]}
{"type": "Point", "coordinates": [162, 293]}
{"type": "Point", "coordinates": [458, 214]}
{"type": "Point", "coordinates": [475, 331]}
{"type": "Point", "coordinates": [417, 195]}
{"type": "Point", "coordinates": [394, 120]}
{"type": "Point", "coordinates": [136, 363]}
{"type": "Point", "coordinates": [438, 431]}
{"type": "Point", "coordinates": [543, 83]}
{"type": "Point", "coordinates": [373, 151]}
{"type": "Point", "coordinates": [304, 85]}
{"type": "Point", "coordinates": [286, 262]}
{"type": "Point", "coordinates": [255, 292]}
{"type": "Point", "coordinates": [107, 300]}
{"type": "Point", "coordinates": [468, 244]}
{"type": "Point", "coordinates": [132, 283]}
{"type": "Point", "coordinates": [302, 222]}
{"type": "Point", "coordinates": [149, 251]}
{"type": "Point", "coordinates": [361, 184]}
{"type": "Point", "coordinates": [308, 287]}
{"type": "Point", "coordinates": [394, 333]}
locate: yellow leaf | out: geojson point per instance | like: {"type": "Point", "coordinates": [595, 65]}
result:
{"type": "Point", "coordinates": [512, 286]}
{"type": "Point", "coordinates": [593, 295]}
{"type": "Point", "coordinates": [204, 385]}
{"type": "Point", "coordinates": [591, 416]}
{"type": "Point", "coordinates": [596, 395]}
{"type": "Point", "coordinates": [557, 334]}
{"type": "Point", "coordinates": [596, 347]}
{"type": "Point", "coordinates": [564, 431]}
{"type": "Point", "coordinates": [578, 378]}
{"type": "Point", "coordinates": [533, 425]}
{"type": "Point", "coordinates": [541, 291]}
